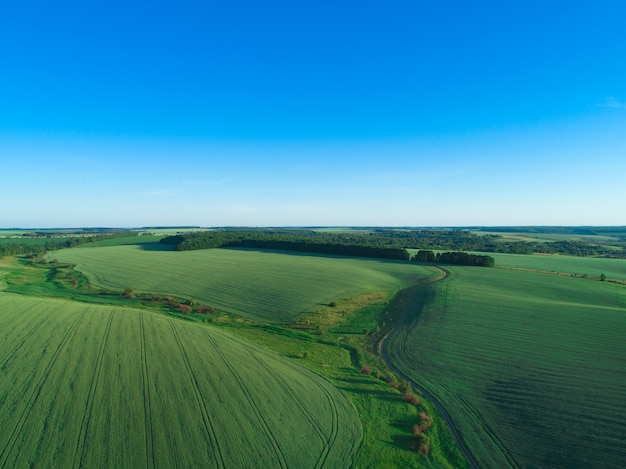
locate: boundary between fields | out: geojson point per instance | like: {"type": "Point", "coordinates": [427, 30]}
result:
{"type": "Point", "coordinates": [442, 411]}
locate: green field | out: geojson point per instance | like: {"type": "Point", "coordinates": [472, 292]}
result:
{"type": "Point", "coordinates": [96, 386]}
{"type": "Point", "coordinates": [580, 266]}
{"type": "Point", "coordinates": [531, 366]}
{"type": "Point", "coordinates": [263, 285]}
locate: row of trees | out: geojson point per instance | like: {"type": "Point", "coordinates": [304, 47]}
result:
{"type": "Point", "coordinates": [35, 249]}
{"type": "Point", "coordinates": [282, 241]}
{"type": "Point", "coordinates": [456, 258]}
{"type": "Point", "coordinates": [457, 240]}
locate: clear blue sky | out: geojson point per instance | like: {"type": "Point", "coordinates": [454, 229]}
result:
{"type": "Point", "coordinates": [421, 113]}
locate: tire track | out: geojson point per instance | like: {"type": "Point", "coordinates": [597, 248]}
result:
{"type": "Point", "coordinates": [147, 404]}
{"type": "Point", "coordinates": [252, 402]}
{"type": "Point", "coordinates": [12, 352]}
{"type": "Point", "coordinates": [312, 421]}
{"type": "Point", "coordinates": [84, 426]}
{"type": "Point", "coordinates": [328, 441]}
{"type": "Point", "coordinates": [203, 410]}
{"type": "Point", "coordinates": [30, 401]}
{"type": "Point", "coordinates": [332, 437]}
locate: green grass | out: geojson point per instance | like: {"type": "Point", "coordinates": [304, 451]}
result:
{"type": "Point", "coordinates": [99, 386]}
{"type": "Point", "coordinates": [262, 285]}
{"type": "Point", "coordinates": [530, 366]}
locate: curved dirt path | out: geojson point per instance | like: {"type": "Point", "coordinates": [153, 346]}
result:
{"type": "Point", "coordinates": [444, 413]}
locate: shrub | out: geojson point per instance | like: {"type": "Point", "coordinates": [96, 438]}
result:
{"type": "Point", "coordinates": [365, 370]}
{"type": "Point", "coordinates": [411, 399]}
{"type": "Point", "coordinates": [185, 309]}
{"type": "Point", "coordinates": [128, 293]}
{"type": "Point", "coordinates": [424, 416]}
{"type": "Point", "coordinates": [205, 309]}
{"type": "Point", "coordinates": [424, 449]}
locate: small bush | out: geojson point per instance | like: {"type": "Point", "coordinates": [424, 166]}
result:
{"type": "Point", "coordinates": [128, 293]}
{"type": "Point", "coordinates": [185, 309]}
{"type": "Point", "coordinates": [424, 449]}
{"type": "Point", "coordinates": [365, 370]}
{"type": "Point", "coordinates": [411, 399]}
{"type": "Point", "coordinates": [424, 416]}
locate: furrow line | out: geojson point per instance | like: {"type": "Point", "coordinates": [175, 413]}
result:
{"type": "Point", "coordinates": [12, 352]}
{"type": "Point", "coordinates": [84, 426]}
{"type": "Point", "coordinates": [30, 401]}
{"type": "Point", "coordinates": [147, 405]}
{"type": "Point", "coordinates": [203, 410]}
{"type": "Point", "coordinates": [316, 426]}
{"type": "Point", "coordinates": [332, 437]}
{"type": "Point", "coordinates": [252, 402]}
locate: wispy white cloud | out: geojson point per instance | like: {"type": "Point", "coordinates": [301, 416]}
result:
{"type": "Point", "coordinates": [613, 103]}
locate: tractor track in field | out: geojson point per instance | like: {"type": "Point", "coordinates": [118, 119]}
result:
{"type": "Point", "coordinates": [4, 360]}
{"type": "Point", "coordinates": [298, 401]}
{"type": "Point", "coordinates": [252, 402]}
{"type": "Point", "coordinates": [147, 403]}
{"type": "Point", "coordinates": [442, 411]}
{"type": "Point", "coordinates": [91, 397]}
{"type": "Point", "coordinates": [334, 431]}
{"type": "Point", "coordinates": [219, 457]}
{"type": "Point", "coordinates": [329, 441]}
{"type": "Point", "coordinates": [30, 401]}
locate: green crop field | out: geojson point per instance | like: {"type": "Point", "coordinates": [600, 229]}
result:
{"type": "Point", "coordinates": [590, 266]}
{"type": "Point", "coordinates": [531, 366]}
{"type": "Point", "coordinates": [97, 386]}
{"type": "Point", "coordinates": [269, 286]}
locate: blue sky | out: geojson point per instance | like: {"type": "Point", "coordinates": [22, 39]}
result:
{"type": "Point", "coordinates": [416, 113]}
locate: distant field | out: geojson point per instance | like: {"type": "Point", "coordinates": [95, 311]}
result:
{"type": "Point", "coordinates": [97, 386]}
{"type": "Point", "coordinates": [264, 285]}
{"type": "Point", "coordinates": [531, 367]}
{"type": "Point", "coordinates": [593, 267]}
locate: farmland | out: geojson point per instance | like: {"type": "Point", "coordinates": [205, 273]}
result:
{"type": "Point", "coordinates": [263, 285]}
{"type": "Point", "coordinates": [97, 386]}
{"type": "Point", "coordinates": [530, 366]}
{"type": "Point", "coordinates": [526, 358]}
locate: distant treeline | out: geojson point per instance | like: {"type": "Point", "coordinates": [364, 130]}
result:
{"type": "Point", "coordinates": [456, 258]}
{"type": "Point", "coordinates": [12, 248]}
{"type": "Point", "coordinates": [385, 238]}
{"type": "Point", "coordinates": [292, 241]}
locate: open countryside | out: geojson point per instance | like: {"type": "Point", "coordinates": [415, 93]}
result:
{"type": "Point", "coordinates": [497, 348]}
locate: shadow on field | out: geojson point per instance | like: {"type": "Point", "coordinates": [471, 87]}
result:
{"type": "Point", "coordinates": [357, 380]}
{"type": "Point", "coordinates": [156, 246]}
{"type": "Point", "coordinates": [403, 442]}
{"type": "Point", "coordinates": [386, 395]}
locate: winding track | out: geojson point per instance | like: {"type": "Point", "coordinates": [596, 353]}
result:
{"type": "Point", "coordinates": [444, 413]}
